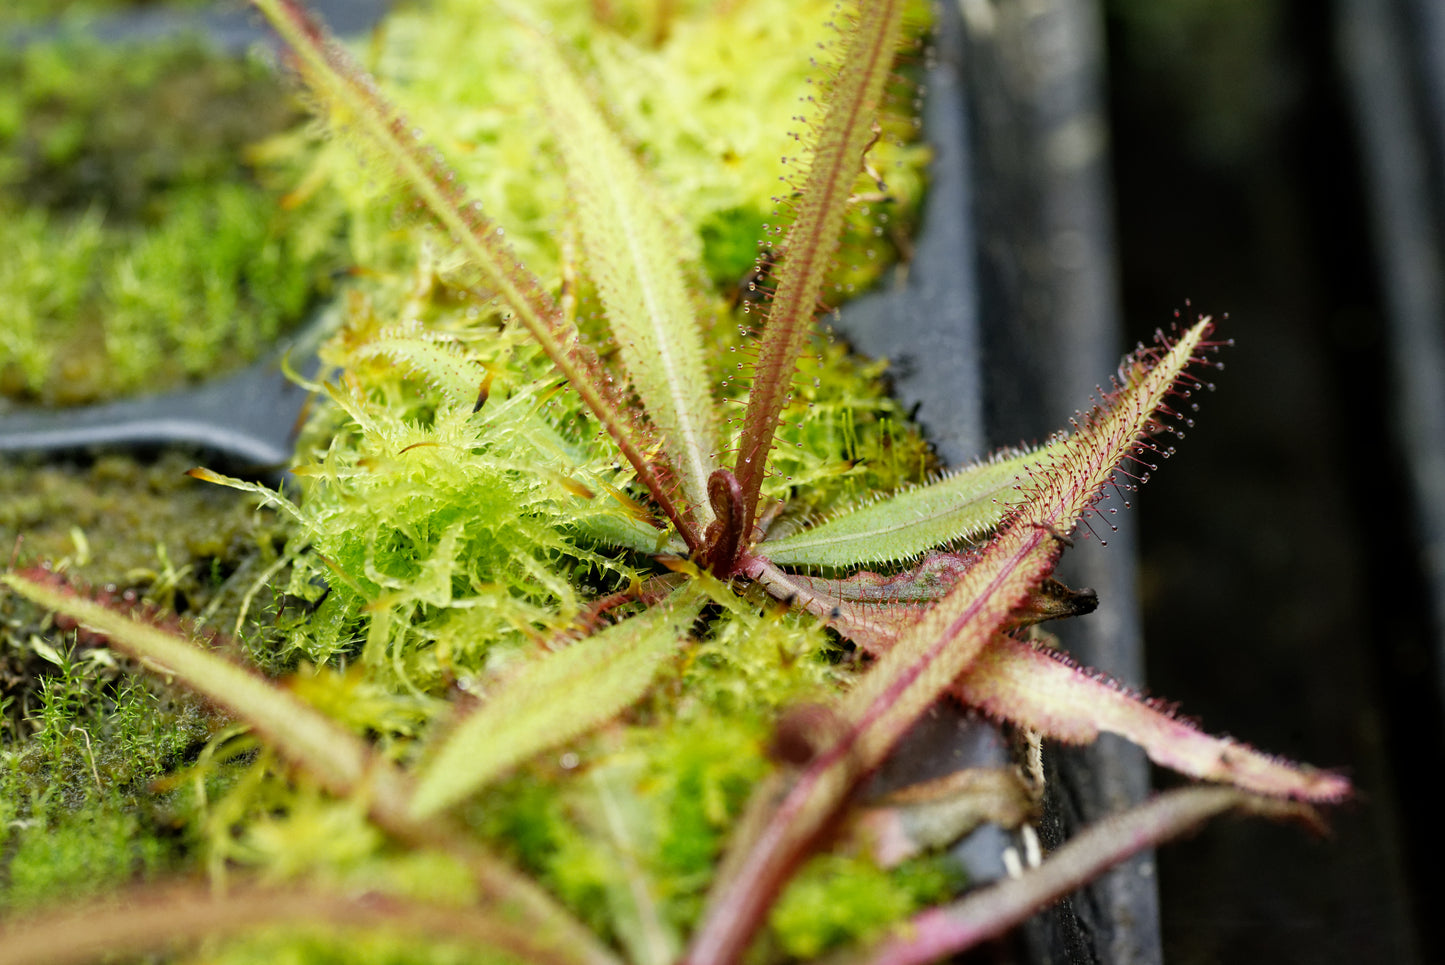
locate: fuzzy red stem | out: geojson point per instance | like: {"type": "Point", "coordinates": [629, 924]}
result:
{"type": "Point", "coordinates": [837, 158]}
{"type": "Point", "coordinates": [941, 932]}
{"type": "Point", "coordinates": [332, 69]}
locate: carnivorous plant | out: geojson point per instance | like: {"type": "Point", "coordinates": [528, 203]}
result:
{"type": "Point", "coordinates": [602, 674]}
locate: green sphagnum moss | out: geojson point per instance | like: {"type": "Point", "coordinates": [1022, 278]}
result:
{"type": "Point", "coordinates": [528, 625]}
{"type": "Point", "coordinates": [141, 249]}
{"type": "Point", "coordinates": [443, 533]}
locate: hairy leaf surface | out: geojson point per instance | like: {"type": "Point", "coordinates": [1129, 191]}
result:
{"type": "Point", "coordinates": [552, 700]}
{"type": "Point", "coordinates": [845, 132]}
{"type": "Point", "coordinates": [634, 263]}
{"type": "Point", "coordinates": [932, 653]}
{"type": "Point", "coordinates": [935, 650]}
{"type": "Point", "coordinates": [964, 505]}
{"type": "Point", "coordinates": [1044, 690]}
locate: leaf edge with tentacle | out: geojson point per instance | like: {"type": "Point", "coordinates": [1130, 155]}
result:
{"type": "Point", "coordinates": [813, 237]}
{"type": "Point", "coordinates": [335, 78]}
{"type": "Point", "coordinates": [931, 654]}
{"type": "Point", "coordinates": [963, 505]}
{"type": "Point", "coordinates": [635, 266]}
{"type": "Point", "coordinates": [551, 700]}
{"type": "Point", "coordinates": [1045, 690]}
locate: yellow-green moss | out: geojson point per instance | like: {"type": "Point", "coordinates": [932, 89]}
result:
{"type": "Point", "coordinates": [837, 898]}
{"type": "Point", "coordinates": [435, 541]}
{"type": "Point", "coordinates": [79, 11]}
{"type": "Point", "coordinates": [141, 250]}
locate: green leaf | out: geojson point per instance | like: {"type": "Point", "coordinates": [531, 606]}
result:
{"type": "Point", "coordinates": [628, 828]}
{"type": "Point", "coordinates": [552, 700]}
{"type": "Point", "coordinates": [333, 755]}
{"type": "Point", "coordinates": [962, 506]}
{"type": "Point", "coordinates": [353, 102]}
{"type": "Point", "coordinates": [931, 653]}
{"type": "Point", "coordinates": [627, 532]}
{"type": "Point", "coordinates": [633, 260]}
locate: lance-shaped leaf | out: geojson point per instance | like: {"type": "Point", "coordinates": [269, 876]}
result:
{"type": "Point", "coordinates": [552, 700]}
{"type": "Point", "coordinates": [964, 505]}
{"type": "Point", "coordinates": [628, 532]}
{"type": "Point", "coordinates": [160, 918]}
{"type": "Point", "coordinates": [933, 652]}
{"type": "Point", "coordinates": [334, 756]}
{"type": "Point", "coordinates": [340, 760]}
{"type": "Point", "coordinates": [1045, 690]}
{"type": "Point", "coordinates": [354, 102]}
{"type": "Point", "coordinates": [631, 258]}
{"type": "Point", "coordinates": [987, 913]}
{"type": "Point", "coordinates": [626, 831]}
{"type": "Point", "coordinates": [837, 157]}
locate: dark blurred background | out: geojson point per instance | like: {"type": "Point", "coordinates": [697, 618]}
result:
{"type": "Point", "coordinates": [1281, 569]}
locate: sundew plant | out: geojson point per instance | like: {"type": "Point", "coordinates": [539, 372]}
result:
{"type": "Point", "coordinates": [606, 593]}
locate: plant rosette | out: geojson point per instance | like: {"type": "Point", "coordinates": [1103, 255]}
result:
{"type": "Point", "coordinates": [613, 598]}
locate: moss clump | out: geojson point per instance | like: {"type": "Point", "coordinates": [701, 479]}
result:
{"type": "Point", "coordinates": [707, 95]}
{"type": "Point", "coordinates": [150, 528]}
{"type": "Point", "coordinates": [84, 739]}
{"type": "Point", "coordinates": [141, 250]}
{"type": "Point", "coordinates": [23, 11]}
{"type": "Point", "coordinates": [85, 734]}
{"type": "Point", "coordinates": [838, 898]}
{"type": "Point", "coordinates": [437, 541]}
{"type": "Point", "coordinates": [84, 852]}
